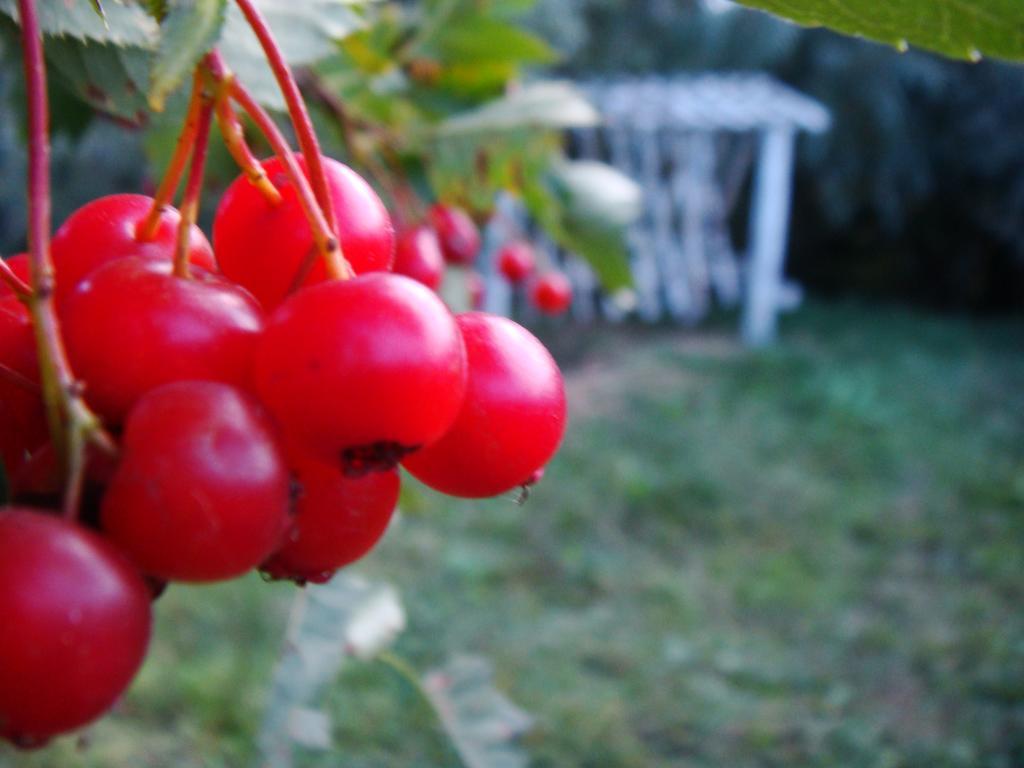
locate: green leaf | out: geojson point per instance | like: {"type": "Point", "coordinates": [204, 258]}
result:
{"type": "Point", "coordinates": [110, 78]}
{"type": "Point", "coordinates": [586, 207]}
{"type": "Point", "coordinates": [188, 31]}
{"type": "Point", "coordinates": [545, 105]}
{"type": "Point", "coordinates": [306, 30]}
{"type": "Point", "coordinates": [966, 29]}
{"type": "Point", "coordinates": [122, 24]}
{"type": "Point", "coordinates": [485, 40]}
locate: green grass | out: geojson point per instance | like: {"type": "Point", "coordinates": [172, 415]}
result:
{"type": "Point", "coordinates": [810, 556]}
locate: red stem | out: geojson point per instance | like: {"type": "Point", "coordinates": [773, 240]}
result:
{"type": "Point", "coordinates": [193, 187]}
{"type": "Point", "coordinates": [70, 421]}
{"type": "Point", "coordinates": [146, 230]}
{"type": "Point", "coordinates": [326, 241]}
{"type": "Point", "coordinates": [308, 142]}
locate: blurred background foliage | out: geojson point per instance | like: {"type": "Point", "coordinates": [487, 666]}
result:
{"type": "Point", "coordinates": [916, 194]}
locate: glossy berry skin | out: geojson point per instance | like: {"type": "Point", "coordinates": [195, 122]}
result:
{"type": "Point", "coordinates": [19, 266]}
{"type": "Point", "coordinates": [105, 230]}
{"type": "Point", "coordinates": [512, 419]}
{"type": "Point", "coordinates": [23, 426]}
{"type": "Point", "coordinates": [337, 520]}
{"type": "Point", "coordinates": [76, 624]}
{"type": "Point", "coordinates": [263, 246]}
{"type": "Point", "coordinates": [418, 255]}
{"type": "Point", "coordinates": [132, 326]}
{"type": "Point", "coordinates": [364, 369]}
{"type": "Point", "coordinates": [457, 233]}
{"type": "Point", "coordinates": [516, 261]}
{"type": "Point", "coordinates": [201, 492]}
{"type": "Point", "coordinates": [551, 293]}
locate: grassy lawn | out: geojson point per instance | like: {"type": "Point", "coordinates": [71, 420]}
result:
{"type": "Point", "coordinates": [811, 556]}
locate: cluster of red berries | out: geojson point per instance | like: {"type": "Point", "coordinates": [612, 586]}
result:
{"type": "Point", "coordinates": [261, 415]}
{"type": "Point", "coordinates": [451, 237]}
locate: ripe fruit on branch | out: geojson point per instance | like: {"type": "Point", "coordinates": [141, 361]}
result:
{"type": "Point", "coordinates": [418, 255]}
{"type": "Point", "coordinates": [105, 229]}
{"type": "Point", "coordinates": [19, 266]}
{"type": "Point", "coordinates": [23, 425]}
{"type": "Point", "coordinates": [512, 418]}
{"type": "Point", "coordinates": [263, 246]}
{"type": "Point", "coordinates": [551, 293]}
{"type": "Point", "coordinates": [364, 370]}
{"type": "Point", "coordinates": [132, 326]}
{"type": "Point", "coordinates": [516, 261]}
{"type": "Point", "coordinates": [76, 622]}
{"type": "Point", "coordinates": [338, 519]}
{"type": "Point", "coordinates": [458, 235]}
{"type": "Point", "coordinates": [201, 492]}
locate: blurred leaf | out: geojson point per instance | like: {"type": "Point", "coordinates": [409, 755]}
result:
{"type": "Point", "coordinates": [306, 30]}
{"type": "Point", "coordinates": [553, 104]}
{"type": "Point", "coordinates": [483, 40]}
{"type": "Point", "coordinates": [189, 29]}
{"type": "Point", "coordinates": [966, 30]}
{"type": "Point", "coordinates": [480, 720]}
{"type": "Point", "coordinates": [122, 24]}
{"type": "Point", "coordinates": [586, 207]}
{"type": "Point", "coordinates": [346, 617]}
{"type": "Point", "coordinates": [110, 78]}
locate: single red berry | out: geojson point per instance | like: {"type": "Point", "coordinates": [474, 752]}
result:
{"type": "Point", "coordinates": [76, 623]}
{"type": "Point", "coordinates": [20, 267]}
{"type": "Point", "coordinates": [477, 290]}
{"type": "Point", "coordinates": [23, 426]}
{"type": "Point", "coordinates": [458, 235]}
{"type": "Point", "coordinates": [418, 256]}
{"type": "Point", "coordinates": [337, 520]}
{"type": "Point", "coordinates": [364, 370]}
{"type": "Point", "coordinates": [512, 419]}
{"type": "Point", "coordinates": [263, 246]}
{"type": "Point", "coordinates": [106, 229]}
{"type": "Point", "coordinates": [552, 293]}
{"type": "Point", "coordinates": [132, 326]}
{"type": "Point", "coordinates": [201, 492]}
{"type": "Point", "coordinates": [516, 261]}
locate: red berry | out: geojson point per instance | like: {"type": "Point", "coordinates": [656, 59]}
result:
{"type": "Point", "coordinates": [76, 623]}
{"type": "Point", "coordinates": [418, 256]}
{"type": "Point", "coordinates": [132, 326]}
{"type": "Point", "coordinates": [23, 426]}
{"type": "Point", "coordinates": [552, 293]}
{"type": "Point", "coordinates": [263, 246]}
{"type": "Point", "coordinates": [338, 519]}
{"type": "Point", "coordinates": [201, 493]}
{"type": "Point", "coordinates": [516, 261]}
{"type": "Point", "coordinates": [512, 418]}
{"type": "Point", "coordinates": [19, 266]}
{"type": "Point", "coordinates": [105, 229]}
{"type": "Point", "coordinates": [364, 369]}
{"type": "Point", "coordinates": [458, 235]}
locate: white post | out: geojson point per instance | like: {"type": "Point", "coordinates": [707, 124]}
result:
{"type": "Point", "coordinates": [768, 231]}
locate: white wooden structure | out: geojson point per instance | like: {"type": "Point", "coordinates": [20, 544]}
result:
{"type": "Point", "coordinates": [691, 141]}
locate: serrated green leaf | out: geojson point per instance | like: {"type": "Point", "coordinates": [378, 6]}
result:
{"type": "Point", "coordinates": [552, 104]}
{"type": "Point", "coordinates": [306, 30]}
{"type": "Point", "coordinates": [188, 31]}
{"type": "Point", "coordinates": [123, 24]}
{"type": "Point", "coordinates": [111, 78]}
{"type": "Point", "coordinates": [966, 29]}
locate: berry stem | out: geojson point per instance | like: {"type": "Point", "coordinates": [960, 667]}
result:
{"type": "Point", "coordinates": [194, 185]}
{"type": "Point", "coordinates": [323, 235]}
{"type": "Point", "coordinates": [146, 229]}
{"type": "Point", "coordinates": [20, 287]}
{"type": "Point", "coordinates": [234, 139]}
{"type": "Point", "coordinates": [304, 131]}
{"type": "Point", "coordinates": [71, 422]}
